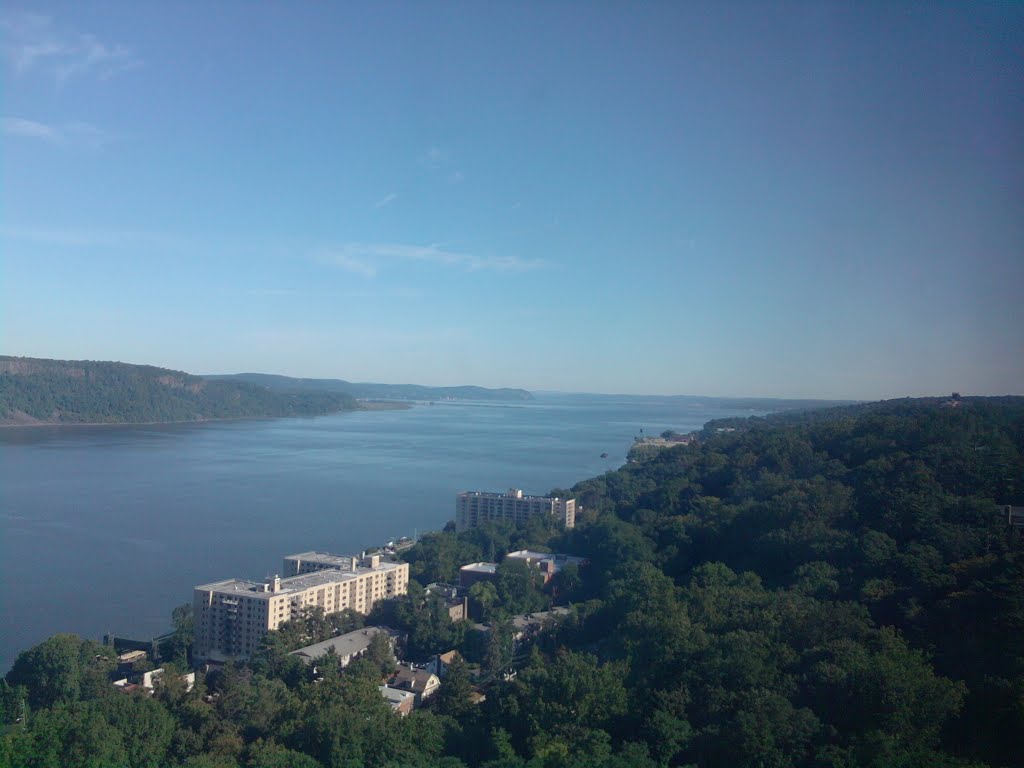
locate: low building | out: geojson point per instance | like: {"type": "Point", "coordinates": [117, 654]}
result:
{"type": "Point", "coordinates": [474, 572]}
{"type": "Point", "coordinates": [547, 563]}
{"type": "Point", "coordinates": [473, 508]}
{"type": "Point", "coordinates": [232, 616]}
{"type": "Point", "coordinates": [420, 682]}
{"type": "Point", "coordinates": [439, 663]}
{"type": "Point", "coordinates": [347, 647]}
{"type": "Point", "coordinates": [1014, 516]}
{"type": "Point", "coordinates": [149, 680]}
{"type": "Point", "coordinates": [401, 701]}
{"type": "Point", "coordinates": [458, 607]}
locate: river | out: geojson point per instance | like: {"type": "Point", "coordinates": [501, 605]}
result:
{"type": "Point", "coordinates": [107, 529]}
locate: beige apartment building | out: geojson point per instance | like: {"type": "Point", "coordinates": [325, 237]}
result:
{"type": "Point", "coordinates": [473, 508]}
{"type": "Point", "coordinates": [232, 616]}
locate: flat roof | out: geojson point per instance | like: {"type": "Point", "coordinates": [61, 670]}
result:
{"type": "Point", "coordinates": [293, 584]}
{"type": "Point", "coordinates": [480, 567]}
{"type": "Point", "coordinates": [323, 557]}
{"type": "Point", "coordinates": [507, 495]}
{"type": "Point", "coordinates": [395, 695]}
{"type": "Point", "coordinates": [528, 554]}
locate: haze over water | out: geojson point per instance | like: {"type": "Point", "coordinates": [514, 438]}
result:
{"type": "Point", "coordinates": [107, 529]}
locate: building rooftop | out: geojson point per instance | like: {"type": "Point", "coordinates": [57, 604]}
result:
{"type": "Point", "coordinates": [480, 567]}
{"type": "Point", "coordinates": [536, 557]}
{"type": "Point", "coordinates": [529, 554]}
{"type": "Point", "coordinates": [513, 493]}
{"type": "Point", "coordinates": [337, 561]}
{"type": "Point", "coordinates": [417, 680]}
{"type": "Point", "coordinates": [343, 645]}
{"type": "Point", "coordinates": [394, 696]}
{"type": "Point", "coordinates": [261, 589]}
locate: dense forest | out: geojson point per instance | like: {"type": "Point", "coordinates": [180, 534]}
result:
{"type": "Point", "coordinates": [34, 391]}
{"type": "Point", "coordinates": [371, 391]}
{"type": "Point", "coordinates": [834, 589]}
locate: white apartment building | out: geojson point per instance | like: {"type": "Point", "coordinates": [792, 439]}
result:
{"type": "Point", "coordinates": [472, 508]}
{"type": "Point", "coordinates": [232, 616]}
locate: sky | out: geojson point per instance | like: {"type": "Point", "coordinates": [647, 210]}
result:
{"type": "Point", "coordinates": [737, 199]}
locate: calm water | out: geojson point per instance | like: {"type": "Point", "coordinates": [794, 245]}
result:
{"type": "Point", "coordinates": [106, 529]}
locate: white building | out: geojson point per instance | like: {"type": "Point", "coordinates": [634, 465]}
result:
{"type": "Point", "coordinates": [472, 508]}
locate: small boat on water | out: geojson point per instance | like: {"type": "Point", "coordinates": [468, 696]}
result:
{"type": "Point", "coordinates": [604, 455]}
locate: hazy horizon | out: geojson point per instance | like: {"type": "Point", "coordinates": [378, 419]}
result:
{"type": "Point", "coordinates": [804, 201]}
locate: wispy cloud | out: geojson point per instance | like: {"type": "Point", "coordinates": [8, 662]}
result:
{"type": "Point", "coordinates": [434, 157]}
{"type": "Point", "coordinates": [348, 262]}
{"type": "Point", "coordinates": [29, 129]}
{"type": "Point", "coordinates": [390, 197]}
{"type": "Point", "coordinates": [34, 43]}
{"type": "Point", "coordinates": [68, 133]}
{"type": "Point", "coordinates": [364, 258]}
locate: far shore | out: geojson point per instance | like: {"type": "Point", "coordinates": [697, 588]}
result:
{"type": "Point", "coordinates": [362, 406]}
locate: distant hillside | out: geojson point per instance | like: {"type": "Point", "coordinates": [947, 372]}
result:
{"type": "Point", "coordinates": [35, 391]}
{"type": "Point", "coordinates": [370, 391]}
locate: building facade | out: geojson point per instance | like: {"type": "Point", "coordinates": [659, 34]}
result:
{"type": "Point", "coordinates": [232, 616]}
{"type": "Point", "coordinates": [472, 508]}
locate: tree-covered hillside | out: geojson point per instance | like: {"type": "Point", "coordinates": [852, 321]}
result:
{"type": "Point", "coordinates": [36, 391]}
{"type": "Point", "coordinates": [372, 391]}
{"type": "Point", "coordinates": [836, 590]}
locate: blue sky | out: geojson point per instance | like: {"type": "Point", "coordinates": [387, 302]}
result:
{"type": "Point", "coordinates": [812, 199]}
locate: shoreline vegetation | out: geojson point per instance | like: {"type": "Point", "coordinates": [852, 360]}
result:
{"type": "Point", "coordinates": [777, 592]}
{"type": "Point", "coordinates": [34, 424]}
{"type": "Point", "coordinates": [41, 392]}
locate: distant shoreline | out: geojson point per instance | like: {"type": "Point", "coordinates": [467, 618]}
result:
{"type": "Point", "coordinates": [363, 406]}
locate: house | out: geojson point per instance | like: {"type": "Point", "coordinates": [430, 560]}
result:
{"type": "Point", "coordinates": [401, 701]}
{"type": "Point", "coordinates": [439, 664]}
{"type": "Point", "coordinates": [420, 682]}
{"type": "Point", "coordinates": [347, 647]}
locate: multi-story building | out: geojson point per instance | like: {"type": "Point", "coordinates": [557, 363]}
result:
{"type": "Point", "coordinates": [473, 508]}
{"type": "Point", "coordinates": [232, 616]}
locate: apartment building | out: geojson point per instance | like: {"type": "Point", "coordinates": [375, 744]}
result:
{"type": "Point", "coordinates": [472, 508]}
{"type": "Point", "coordinates": [232, 616]}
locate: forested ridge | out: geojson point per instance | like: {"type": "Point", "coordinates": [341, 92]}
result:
{"type": "Point", "coordinates": [34, 391]}
{"type": "Point", "coordinates": [832, 589]}
{"type": "Point", "coordinates": [373, 391]}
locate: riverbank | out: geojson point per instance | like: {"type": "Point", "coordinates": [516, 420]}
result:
{"type": "Point", "coordinates": [32, 423]}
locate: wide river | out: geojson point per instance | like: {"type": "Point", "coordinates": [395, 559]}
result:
{"type": "Point", "coordinates": [106, 529]}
